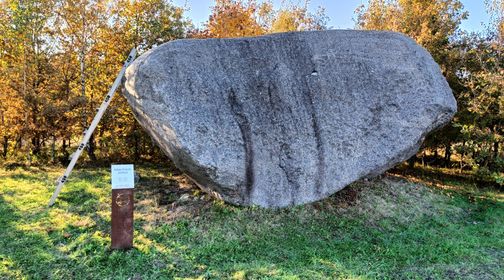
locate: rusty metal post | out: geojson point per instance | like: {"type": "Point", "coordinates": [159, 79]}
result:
{"type": "Point", "coordinates": [122, 219]}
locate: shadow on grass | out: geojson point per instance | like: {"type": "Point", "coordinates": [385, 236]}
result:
{"type": "Point", "coordinates": [78, 196]}
{"type": "Point", "coordinates": [27, 253]}
{"type": "Point", "coordinates": [39, 244]}
{"type": "Point", "coordinates": [223, 241]}
{"type": "Point", "coordinates": [89, 241]}
{"type": "Point", "coordinates": [23, 177]}
{"type": "Point", "coordinates": [328, 247]}
{"type": "Point", "coordinates": [452, 177]}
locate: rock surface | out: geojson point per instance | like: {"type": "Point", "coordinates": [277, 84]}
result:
{"type": "Point", "coordinates": [289, 118]}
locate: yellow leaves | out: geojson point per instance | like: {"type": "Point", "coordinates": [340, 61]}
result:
{"type": "Point", "coordinates": [294, 19]}
{"type": "Point", "coordinates": [501, 31]}
{"type": "Point", "coordinates": [430, 22]}
{"type": "Point", "coordinates": [13, 5]}
{"type": "Point", "coordinates": [286, 21]}
{"type": "Point", "coordinates": [265, 13]}
{"type": "Point", "coordinates": [242, 18]}
{"type": "Point", "coordinates": [233, 19]}
{"type": "Point", "coordinates": [11, 108]}
{"type": "Point", "coordinates": [58, 59]}
{"type": "Point", "coordinates": [148, 23]}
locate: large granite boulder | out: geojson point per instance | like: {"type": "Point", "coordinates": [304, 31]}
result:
{"type": "Point", "coordinates": [289, 118]}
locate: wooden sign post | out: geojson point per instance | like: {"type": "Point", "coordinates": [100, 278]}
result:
{"type": "Point", "coordinates": [123, 184]}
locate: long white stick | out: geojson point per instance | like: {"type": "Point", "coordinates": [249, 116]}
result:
{"type": "Point", "coordinates": [91, 129]}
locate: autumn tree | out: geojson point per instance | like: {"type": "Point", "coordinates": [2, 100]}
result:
{"type": "Point", "coordinates": [484, 96]}
{"type": "Point", "coordinates": [231, 18]}
{"type": "Point", "coordinates": [144, 25]}
{"type": "Point", "coordinates": [78, 24]}
{"type": "Point", "coordinates": [27, 67]}
{"type": "Point", "coordinates": [483, 76]}
{"type": "Point", "coordinates": [496, 10]}
{"type": "Point", "coordinates": [58, 60]}
{"type": "Point", "coordinates": [295, 18]}
{"type": "Point", "coordinates": [9, 116]}
{"type": "Point", "coordinates": [243, 18]}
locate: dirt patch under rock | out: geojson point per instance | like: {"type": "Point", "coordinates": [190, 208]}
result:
{"type": "Point", "coordinates": [396, 198]}
{"type": "Point", "coordinates": [163, 200]}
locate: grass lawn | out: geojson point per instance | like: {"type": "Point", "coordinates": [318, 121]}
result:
{"type": "Point", "coordinates": [393, 227]}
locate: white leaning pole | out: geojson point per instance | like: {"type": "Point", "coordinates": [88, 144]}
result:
{"type": "Point", "coordinates": [92, 127]}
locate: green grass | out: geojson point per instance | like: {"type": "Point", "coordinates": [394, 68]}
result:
{"type": "Point", "coordinates": [386, 228]}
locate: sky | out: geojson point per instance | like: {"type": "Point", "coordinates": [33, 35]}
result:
{"type": "Point", "coordinates": [340, 12]}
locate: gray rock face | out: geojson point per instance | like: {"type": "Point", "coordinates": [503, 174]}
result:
{"type": "Point", "coordinates": [289, 118]}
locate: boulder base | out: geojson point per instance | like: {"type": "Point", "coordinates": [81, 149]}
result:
{"type": "Point", "coordinates": [289, 118]}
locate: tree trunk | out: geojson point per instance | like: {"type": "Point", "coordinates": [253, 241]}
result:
{"type": "Point", "coordinates": [411, 161]}
{"type": "Point", "coordinates": [64, 147]}
{"type": "Point", "coordinates": [5, 147]}
{"type": "Point", "coordinates": [136, 140]}
{"type": "Point", "coordinates": [448, 153]}
{"type": "Point", "coordinates": [36, 145]}
{"type": "Point", "coordinates": [5, 139]}
{"type": "Point", "coordinates": [65, 155]}
{"type": "Point", "coordinates": [53, 149]}
{"type": "Point", "coordinates": [29, 154]}
{"type": "Point", "coordinates": [91, 148]}
{"type": "Point", "coordinates": [19, 143]}
{"type": "Point", "coordinates": [496, 150]}
{"type": "Point", "coordinates": [462, 157]}
{"type": "Point", "coordinates": [83, 92]}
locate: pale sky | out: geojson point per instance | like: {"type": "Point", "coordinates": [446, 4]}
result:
{"type": "Point", "coordinates": [340, 12]}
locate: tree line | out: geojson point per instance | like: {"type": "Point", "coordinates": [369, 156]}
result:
{"type": "Point", "coordinates": [473, 64]}
{"type": "Point", "coordinates": [58, 58]}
